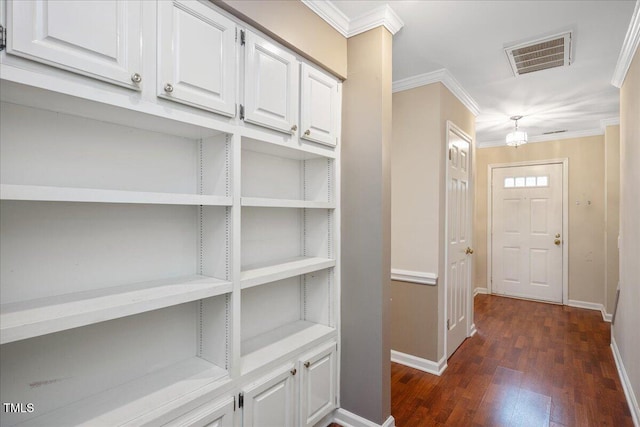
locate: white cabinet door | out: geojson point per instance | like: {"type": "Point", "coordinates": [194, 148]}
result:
{"type": "Point", "coordinates": [318, 384]}
{"type": "Point", "coordinates": [219, 413]}
{"type": "Point", "coordinates": [319, 106]}
{"type": "Point", "coordinates": [271, 85]}
{"type": "Point", "coordinates": [100, 39]}
{"type": "Point", "coordinates": [196, 56]}
{"type": "Point", "coordinates": [271, 402]}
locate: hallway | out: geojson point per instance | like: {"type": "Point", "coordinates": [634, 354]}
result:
{"type": "Point", "coordinates": [529, 364]}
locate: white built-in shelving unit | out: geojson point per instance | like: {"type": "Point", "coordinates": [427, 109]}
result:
{"type": "Point", "coordinates": [169, 222]}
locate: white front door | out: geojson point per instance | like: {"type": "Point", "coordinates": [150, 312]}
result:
{"type": "Point", "coordinates": [527, 231]}
{"type": "Point", "coordinates": [458, 240]}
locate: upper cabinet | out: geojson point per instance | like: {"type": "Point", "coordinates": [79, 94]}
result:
{"type": "Point", "coordinates": [98, 39]}
{"type": "Point", "coordinates": [196, 56]}
{"type": "Point", "coordinates": [319, 106]}
{"type": "Point", "coordinates": [270, 85]}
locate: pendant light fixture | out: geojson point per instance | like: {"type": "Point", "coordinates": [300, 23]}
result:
{"type": "Point", "coordinates": [517, 137]}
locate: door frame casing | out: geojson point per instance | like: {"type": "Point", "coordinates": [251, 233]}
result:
{"type": "Point", "coordinates": [565, 218]}
{"type": "Point", "coordinates": [470, 326]}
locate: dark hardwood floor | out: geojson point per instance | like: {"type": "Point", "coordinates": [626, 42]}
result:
{"type": "Point", "coordinates": [529, 364]}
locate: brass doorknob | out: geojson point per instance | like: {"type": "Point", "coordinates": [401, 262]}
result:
{"type": "Point", "coordinates": [468, 251]}
{"type": "Point", "coordinates": [557, 242]}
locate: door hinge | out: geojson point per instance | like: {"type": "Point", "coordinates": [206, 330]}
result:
{"type": "Point", "coordinates": [241, 112]}
{"type": "Point", "coordinates": [3, 37]}
{"type": "Point", "coordinates": [240, 400]}
{"type": "Point", "coordinates": [234, 404]}
{"type": "Point", "coordinates": [242, 37]}
{"type": "Point", "coordinates": [448, 325]}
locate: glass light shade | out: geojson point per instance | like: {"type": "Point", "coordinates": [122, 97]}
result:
{"type": "Point", "coordinates": [516, 138]}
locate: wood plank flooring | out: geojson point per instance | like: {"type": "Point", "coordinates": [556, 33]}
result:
{"type": "Point", "coordinates": [529, 364]}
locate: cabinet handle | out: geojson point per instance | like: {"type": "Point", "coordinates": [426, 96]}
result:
{"type": "Point", "coordinates": [136, 78]}
{"type": "Point", "coordinates": [168, 88]}
{"type": "Point", "coordinates": [307, 364]}
{"type": "Point", "coordinates": [294, 128]}
{"type": "Point", "coordinates": [293, 371]}
{"type": "Point", "coordinates": [307, 132]}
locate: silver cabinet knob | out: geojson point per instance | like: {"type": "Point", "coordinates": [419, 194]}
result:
{"type": "Point", "coordinates": [307, 132]}
{"type": "Point", "coordinates": [168, 88]}
{"type": "Point", "coordinates": [294, 128]}
{"type": "Point", "coordinates": [136, 78]}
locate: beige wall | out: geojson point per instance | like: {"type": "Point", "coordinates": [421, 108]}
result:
{"type": "Point", "coordinates": [414, 319]}
{"type": "Point", "coordinates": [586, 221]}
{"type": "Point", "coordinates": [627, 322]}
{"type": "Point", "coordinates": [366, 227]}
{"type": "Point", "coordinates": [612, 213]}
{"type": "Point", "coordinates": [418, 211]}
{"type": "Point", "coordinates": [296, 26]}
{"type": "Point", "coordinates": [415, 179]}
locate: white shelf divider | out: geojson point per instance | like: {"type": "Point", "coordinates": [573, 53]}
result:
{"type": "Point", "coordinates": [166, 389]}
{"type": "Point", "coordinates": [267, 347]}
{"type": "Point", "coordinates": [90, 195]}
{"type": "Point", "coordinates": [28, 319]}
{"type": "Point", "coordinates": [260, 202]}
{"type": "Point", "coordinates": [264, 273]}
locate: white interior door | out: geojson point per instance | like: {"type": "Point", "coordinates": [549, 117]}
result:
{"type": "Point", "coordinates": [458, 241]}
{"type": "Point", "coordinates": [527, 255]}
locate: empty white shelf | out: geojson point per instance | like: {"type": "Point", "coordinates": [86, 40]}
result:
{"type": "Point", "coordinates": [160, 391]}
{"type": "Point", "coordinates": [261, 202]}
{"type": "Point", "coordinates": [33, 318]}
{"type": "Point", "coordinates": [259, 274]}
{"type": "Point", "coordinates": [279, 342]}
{"type": "Point", "coordinates": [91, 195]}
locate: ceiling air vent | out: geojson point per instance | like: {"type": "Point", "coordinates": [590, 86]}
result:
{"type": "Point", "coordinates": [540, 54]}
{"type": "Point", "coordinates": [554, 131]}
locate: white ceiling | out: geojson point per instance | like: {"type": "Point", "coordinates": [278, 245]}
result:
{"type": "Point", "coordinates": [467, 38]}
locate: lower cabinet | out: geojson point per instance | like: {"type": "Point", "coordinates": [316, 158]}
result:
{"type": "Point", "coordinates": [318, 384]}
{"type": "Point", "coordinates": [271, 401]}
{"type": "Point", "coordinates": [297, 394]}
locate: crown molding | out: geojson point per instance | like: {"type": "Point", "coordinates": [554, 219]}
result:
{"type": "Point", "coordinates": [629, 48]}
{"type": "Point", "coordinates": [445, 77]}
{"type": "Point", "coordinates": [331, 14]}
{"type": "Point", "coordinates": [613, 121]}
{"type": "Point", "coordinates": [380, 16]}
{"type": "Point", "coordinates": [546, 138]}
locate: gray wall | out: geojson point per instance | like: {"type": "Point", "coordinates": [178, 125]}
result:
{"type": "Point", "coordinates": [366, 227]}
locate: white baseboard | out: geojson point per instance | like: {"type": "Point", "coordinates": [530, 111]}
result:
{"type": "Point", "coordinates": [591, 306]}
{"type": "Point", "coordinates": [349, 419]}
{"type": "Point", "coordinates": [626, 384]}
{"type": "Point", "coordinates": [477, 291]}
{"type": "Point", "coordinates": [429, 366]}
{"type": "Point", "coordinates": [473, 330]}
